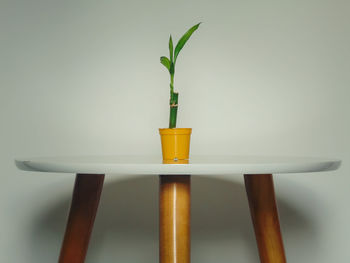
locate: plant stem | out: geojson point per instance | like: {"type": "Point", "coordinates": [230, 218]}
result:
{"type": "Point", "coordinates": [171, 84]}
{"type": "Point", "coordinates": [173, 103]}
{"type": "Point", "coordinates": [173, 109]}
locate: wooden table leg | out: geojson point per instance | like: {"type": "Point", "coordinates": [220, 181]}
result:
{"type": "Point", "coordinates": [174, 219]}
{"type": "Point", "coordinates": [86, 196]}
{"type": "Point", "coordinates": [263, 209]}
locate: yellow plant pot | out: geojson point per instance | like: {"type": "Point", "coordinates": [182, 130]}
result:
{"type": "Point", "coordinates": [175, 144]}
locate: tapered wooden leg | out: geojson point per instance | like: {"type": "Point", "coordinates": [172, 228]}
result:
{"type": "Point", "coordinates": [86, 196]}
{"type": "Point", "coordinates": [263, 209]}
{"type": "Point", "coordinates": [174, 219]}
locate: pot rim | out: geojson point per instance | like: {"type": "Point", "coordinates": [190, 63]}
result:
{"type": "Point", "coordinates": [173, 131]}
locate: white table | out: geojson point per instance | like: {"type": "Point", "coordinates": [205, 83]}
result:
{"type": "Point", "coordinates": [174, 196]}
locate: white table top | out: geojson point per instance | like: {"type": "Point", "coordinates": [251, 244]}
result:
{"type": "Point", "coordinates": [198, 165]}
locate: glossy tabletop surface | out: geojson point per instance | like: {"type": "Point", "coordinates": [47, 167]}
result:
{"type": "Point", "coordinates": [198, 165]}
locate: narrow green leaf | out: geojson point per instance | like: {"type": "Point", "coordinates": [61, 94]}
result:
{"type": "Point", "coordinates": [183, 40]}
{"type": "Point", "coordinates": [166, 62]}
{"type": "Point", "coordinates": [171, 49]}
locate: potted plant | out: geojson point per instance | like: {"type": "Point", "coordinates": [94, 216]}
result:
{"type": "Point", "coordinates": [175, 141]}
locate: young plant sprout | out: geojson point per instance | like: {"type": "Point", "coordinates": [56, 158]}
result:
{"type": "Point", "coordinates": [170, 65]}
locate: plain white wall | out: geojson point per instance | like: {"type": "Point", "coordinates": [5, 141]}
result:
{"type": "Point", "coordinates": [258, 78]}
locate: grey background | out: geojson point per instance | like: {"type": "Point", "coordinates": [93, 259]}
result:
{"type": "Point", "coordinates": [258, 78]}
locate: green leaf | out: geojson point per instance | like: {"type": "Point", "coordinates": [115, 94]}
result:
{"type": "Point", "coordinates": [184, 39]}
{"type": "Point", "coordinates": [171, 49]}
{"type": "Point", "coordinates": [166, 62]}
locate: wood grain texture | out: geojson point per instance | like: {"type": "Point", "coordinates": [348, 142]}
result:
{"type": "Point", "coordinates": [174, 219]}
{"type": "Point", "coordinates": [86, 196]}
{"type": "Point", "coordinates": [263, 209]}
